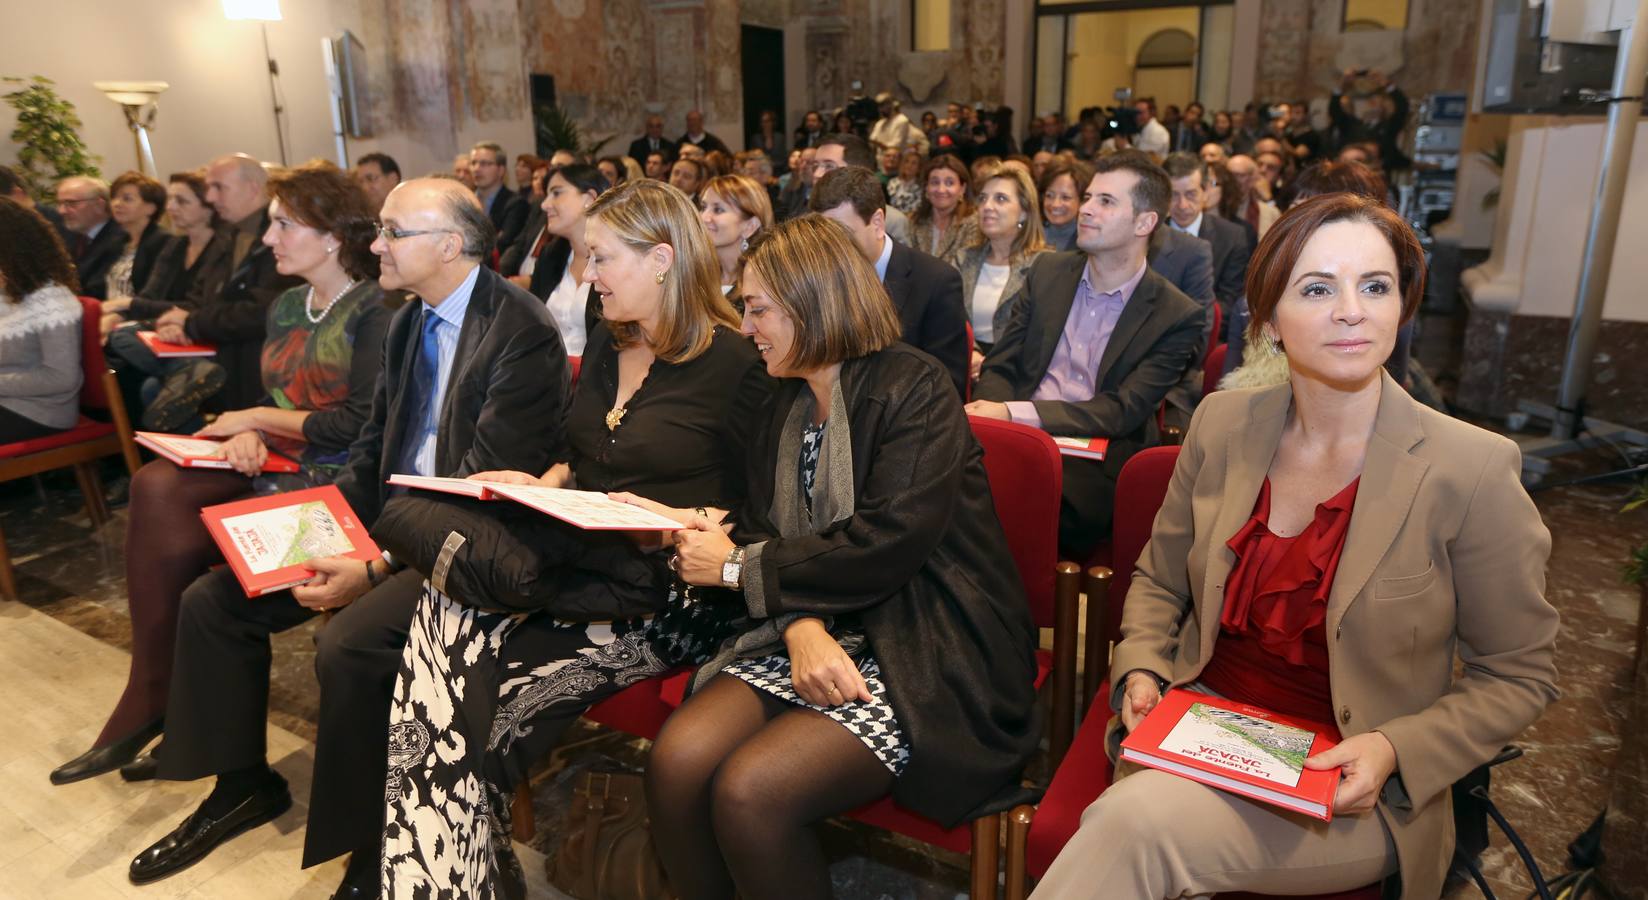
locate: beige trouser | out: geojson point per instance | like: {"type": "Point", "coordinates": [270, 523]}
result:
{"type": "Point", "coordinates": [1154, 835]}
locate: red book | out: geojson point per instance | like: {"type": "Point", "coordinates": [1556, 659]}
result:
{"type": "Point", "coordinates": [1238, 748]}
{"type": "Point", "coordinates": [174, 351]}
{"type": "Point", "coordinates": [1083, 448]}
{"type": "Point", "coordinates": [268, 539]}
{"type": "Point", "coordinates": [202, 453]}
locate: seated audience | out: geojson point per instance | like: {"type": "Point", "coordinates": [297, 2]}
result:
{"type": "Point", "coordinates": [320, 362]}
{"type": "Point", "coordinates": [378, 173]}
{"type": "Point", "coordinates": [1190, 134]}
{"type": "Point", "coordinates": [841, 150]}
{"type": "Point", "coordinates": [474, 378]}
{"type": "Point", "coordinates": [1061, 186]}
{"type": "Point", "coordinates": [1222, 132]}
{"type": "Point", "coordinates": [769, 139]}
{"type": "Point", "coordinates": [688, 150]}
{"type": "Point", "coordinates": [1380, 121]}
{"type": "Point", "coordinates": [1253, 202]}
{"type": "Point", "coordinates": [13, 186]}
{"type": "Point", "coordinates": [525, 165]}
{"type": "Point", "coordinates": [733, 209]}
{"type": "Point", "coordinates": [993, 266]}
{"type": "Point", "coordinates": [1053, 366]}
{"type": "Point", "coordinates": [40, 372]}
{"type": "Point", "coordinates": [658, 165]}
{"type": "Point", "coordinates": [652, 141]}
{"type": "Point", "coordinates": [904, 188]}
{"type": "Point", "coordinates": [810, 132]}
{"type": "Point", "coordinates": [1214, 153]}
{"type": "Point", "coordinates": [136, 203]}
{"type": "Point", "coordinates": [887, 162]}
{"type": "Point", "coordinates": [894, 130]}
{"type": "Point", "coordinates": [688, 176]}
{"type": "Point", "coordinates": [866, 551]}
{"type": "Point", "coordinates": [926, 291]}
{"type": "Point", "coordinates": [612, 169]}
{"type": "Point", "coordinates": [667, 402]}
{"type": "Point", "coordinates": [698, 137]}
{"type": "Point", "coordinates": [183, 257]}
{"type": "Point", "coordinates": [793, 198]}
{"type": "Point", "coordinates": [1272, 578]}
{"type": "Point", "coordinates": [95, 241]}
{"type": "Point", "coordinates": [228, 306]}
{"type": "Point", "coordinates": [461, 171]}
{"type": "Point", "coordinates": [944, 219]}
{"type": "Point", "coordinates": [555, 273]}
{"type": "Point", "coordinates": [1188, 214]}
{"type": "Point", "coordinates": [487, 165]}
{"type": "Point", "coordinates": [1153, 137]}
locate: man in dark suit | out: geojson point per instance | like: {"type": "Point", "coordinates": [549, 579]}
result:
{"type": "Point", "coordinates": [474, 378]}
{"type": "Point", "coordinates": [228, 304]}
{"type": "Point", "coordinates": [1190, 132]}
{"type": "Point", "coordinates": [652, 142]}
{"type": "Point", "coordinates": [1096, 341]}
{"type": "Point", "coordinates": [925, 290]}
{"type": "Point", "coordinates": [698, 137]}
{"type": "Point", "coordinates": [98, 242]}
{"type": "Point", "coordinates": [1186, 261]}
{"type": "Point", "coordinates": [488, 168]}
{"type": "Point", "coordinates": [1228, 240]}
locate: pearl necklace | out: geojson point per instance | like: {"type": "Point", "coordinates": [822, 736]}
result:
{"type": "Point", "coordinates": [309, 302]}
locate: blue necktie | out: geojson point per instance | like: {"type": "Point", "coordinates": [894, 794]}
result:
{"type": "Point", "coordinates": [423, 384]}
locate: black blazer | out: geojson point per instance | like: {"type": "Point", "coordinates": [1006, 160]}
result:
{"type": "Point", "coordinates": [1156, 339]}
{"type": "Point", "coordinates": [640, 148]}
{"type": "Point", "coordinates": [235, 317]}
{"type": "Point", "coordinates": [171, 278]}
{"type": "Point", "coordinates": [922, 565]}
{"type": "Point", "coordinates": [552, 263]}
{"type": "Point", "coordinates": [508, 214]}
{"type": "Point", "coordinates": [511, 256]}
{"type": "Point", "coordinates": [1185, 260]}
{"type": "Point", "coordinates": [97, 257]}
{"type": "Point", "coordinates": [1230, 257]}
{"type": "Point", "coordinates": [709, 144]}
{"type": "Point", "coordinates": [150, 245]}
{"type": "Point", "coordinates": [926, 291]}
{"type": "Point", "coordinates": [504, 403]}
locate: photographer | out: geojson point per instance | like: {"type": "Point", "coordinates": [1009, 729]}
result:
{"type": "Point", "coordinates": [1368, 107]}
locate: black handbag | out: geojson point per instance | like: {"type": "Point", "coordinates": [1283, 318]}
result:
{"type": "Point", "coordinates": [504, 557]}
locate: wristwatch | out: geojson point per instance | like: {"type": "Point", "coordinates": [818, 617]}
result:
{"type": "Point", "coordinates": [732, 571]}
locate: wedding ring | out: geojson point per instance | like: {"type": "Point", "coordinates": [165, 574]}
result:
{"type": "Point", "coordinates": [834, 689]}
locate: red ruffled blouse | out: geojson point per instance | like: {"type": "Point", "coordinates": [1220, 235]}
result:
{"type": "Point", "coordinates": [1272, 649]}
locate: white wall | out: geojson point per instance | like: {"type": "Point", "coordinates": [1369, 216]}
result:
{"type": "Point", "coordinates": [219, 98]}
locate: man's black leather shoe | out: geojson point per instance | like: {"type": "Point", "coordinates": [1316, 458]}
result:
{"type": "Point", "coordinates": [107, 758]}
{"type": "Point", "coordinates": [199, 835]}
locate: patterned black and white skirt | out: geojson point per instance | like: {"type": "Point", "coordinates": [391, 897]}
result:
{"type": "Point", "coordinates": [874, 723]}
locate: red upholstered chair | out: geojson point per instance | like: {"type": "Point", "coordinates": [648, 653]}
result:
{"type": "Point", "coordinates": [1213, 369]}
{"type": "Point", "coordinates": [967, 395]}
{"type": "Point", "coordinates": [1213, 340]}
{"type": "Point", "coordinates": [81, 446]}
{"type": "Point", "coordinates": [1035, 835]}
{"type": "Point", "coordinates": [1026, 478]}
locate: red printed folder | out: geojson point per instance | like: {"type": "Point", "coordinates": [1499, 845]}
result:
{"type": "Point", "coordinates": [589, 510]}
{"type": "Point", "coordinates": [202, 453]}
{"type": "Point", "coordinates": [268, 539]}
{"type": "Point", "coordinates": [1238, 748]}
{"type": "Point", "coordinates": [1083, 448]}
{"type": "Point", "coordinates": [174, 351]}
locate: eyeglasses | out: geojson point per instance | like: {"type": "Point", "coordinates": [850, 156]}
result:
{"type": "Point", "coordinates": [76, 201]}
{"type": "Point", "coordinates": [394, 234]}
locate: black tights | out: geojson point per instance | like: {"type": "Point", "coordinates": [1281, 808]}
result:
{"type": "Point", "coordinates": [735, 782]}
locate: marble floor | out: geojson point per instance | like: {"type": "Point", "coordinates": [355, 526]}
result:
{"type": "Point", "coordinates": [63, 652]}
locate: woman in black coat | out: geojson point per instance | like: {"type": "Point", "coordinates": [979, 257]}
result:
{"type": "Point", "coordinates": [888, 645]}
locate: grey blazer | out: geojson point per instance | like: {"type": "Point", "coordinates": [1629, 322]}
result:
{"type": "Point", "coordinates": [969, 260]}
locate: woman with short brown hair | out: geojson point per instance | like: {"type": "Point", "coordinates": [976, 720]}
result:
{"type": "Point", "coordinates": [944, 219]}
{"type": "Point", "coordinates": [867, 556]}
{"type": "Point", "coordinates": [136, 204]}
{"type": "Point", "coordinates": [1276, 578]}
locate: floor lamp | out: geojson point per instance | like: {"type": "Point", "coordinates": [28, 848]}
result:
{"type": "Point", "coordinates": [138, 99]}
{"type": "Point", "coordinates": [263, 12]}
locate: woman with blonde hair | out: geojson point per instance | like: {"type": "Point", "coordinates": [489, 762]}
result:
{"type": "Point", "coordinates": [663, 409]}
{"type": "Point", "coordinates": [1008, 239]}
{"type": "Point", "coordinates": [734, 208]}
{"type": "Point", "coordinates": [866, 551]}
{"type": "Point", "coordinates": [944, 219]}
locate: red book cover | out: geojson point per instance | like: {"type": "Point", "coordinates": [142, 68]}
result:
{"type": "Point", "coordinates": [268, 539]}
{"type": "Point", "coordinates": [202, 453]}
{"type": "Point", "coordinates": [174, 351]}
{"type": "Point", "coordinates": [1083, 448]}
{"type": "Point", "coordinates": [1238, 748]}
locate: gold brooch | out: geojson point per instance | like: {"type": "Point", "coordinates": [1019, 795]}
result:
{"type": "Point", "coordinates": [614, 416]}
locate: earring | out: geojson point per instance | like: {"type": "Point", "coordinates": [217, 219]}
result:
{"type": "Point", "coordinates": [1021, 224]}
{"type": "Point", "coordinates": [331, 249]}
{"type": "Point", "coordinates": [745, 245]}
{"type": "Point", "coordinates": [659, 278]}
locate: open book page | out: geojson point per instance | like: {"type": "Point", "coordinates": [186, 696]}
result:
{"type": "Point", "coordinates": [589, 510]}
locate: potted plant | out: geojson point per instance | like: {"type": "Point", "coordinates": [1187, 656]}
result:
{"type": "Point", "coordinates": [556, 130]}
{"type": "Point", "coordinates": [47, 135]}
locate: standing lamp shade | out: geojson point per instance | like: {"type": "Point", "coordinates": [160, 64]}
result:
{"type": "Point", "coordinates": [137, 98]}
{"type": "Point", "coordinates": [252, 10]}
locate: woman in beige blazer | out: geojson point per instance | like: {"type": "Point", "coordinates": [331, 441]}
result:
{"type": "Point", "coordinates": [1444, 557]}
{"type": "Point", "coordinates": [995, 260]}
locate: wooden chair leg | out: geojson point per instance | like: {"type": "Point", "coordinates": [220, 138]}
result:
{"type": "Point", "coordinates": [1096, 649]}
{"type": "Point", "coordinates": [1018, 833]}
{"type": "Point", "coordinates": [91, 488]}
{"type": "Point", "coordinates": [986, 862]}
{"type": "Point", "coordinates": [1066, 592]}
{"type": "Point", "coordinates": [8, 579]}
{"type": "Point", "coordinates": [523, 825]}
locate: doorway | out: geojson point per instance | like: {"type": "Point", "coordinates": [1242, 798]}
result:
{"type": "Point", "coordinates": [1088, 51]}
{"type": "Point", "coordinates": [763, 71]}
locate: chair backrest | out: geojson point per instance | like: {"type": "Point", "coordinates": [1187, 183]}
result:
{"type": "Point", "coordinates": [1140, 489]}
{"type": "Point", "coordinates": [1213, 369]}
{"type": "Point", "coordinates": [967, 365]}
{"type": "Point", "coordinates": [92, 364]}
{"type": "Point", "coordinates": [1026, 478]}
{"type": "Point", "coordinates": [1214, 339]}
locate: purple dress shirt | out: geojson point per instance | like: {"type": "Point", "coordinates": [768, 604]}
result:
{"type": "Point", "coordinates": [1074, 369]}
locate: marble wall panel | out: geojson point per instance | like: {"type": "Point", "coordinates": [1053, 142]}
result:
{"type": "Point", "coordinates": [1510, 358]}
